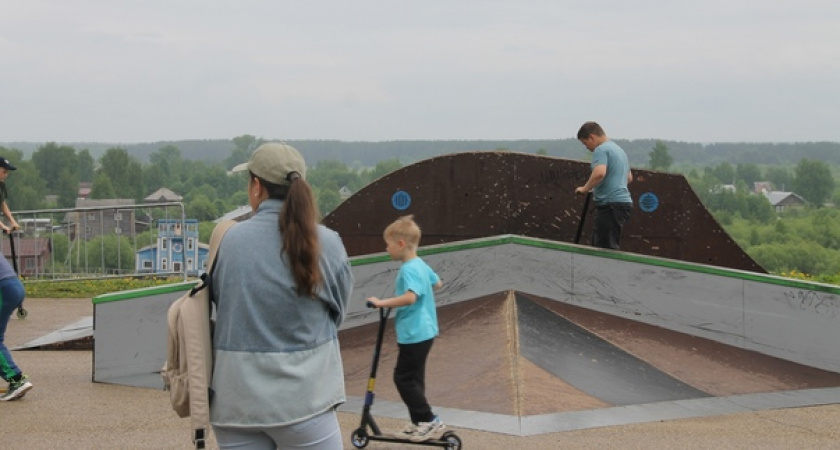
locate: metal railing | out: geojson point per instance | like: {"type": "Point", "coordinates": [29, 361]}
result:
{"type": "Point", "coordinates": [92, 242]}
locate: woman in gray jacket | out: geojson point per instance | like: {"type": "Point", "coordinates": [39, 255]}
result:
{"type": "Point", "coordinates": [281, 286]}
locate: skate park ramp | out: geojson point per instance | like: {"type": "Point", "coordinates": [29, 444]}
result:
{"type": "Point", "coordinates": [74, 336]}
{"type": "Point", "coordinates": [539, 336]}
{"type": "Point", "coordinates": [520, 364]}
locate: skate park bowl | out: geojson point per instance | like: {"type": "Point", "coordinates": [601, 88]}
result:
{"type": "Point", "coordinates": [540, 336]}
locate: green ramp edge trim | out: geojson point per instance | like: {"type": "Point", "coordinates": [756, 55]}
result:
{"type": "Point", "coordinates": [744, 275]}
{"type": "Point", "coordinates": [144, 292]}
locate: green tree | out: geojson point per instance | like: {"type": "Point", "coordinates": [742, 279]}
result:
{"type": "Point", "coordinates": [826, 225]}
{"type": "Point", "coordinates": [205, 230]}
{"type": "Point", "coordinates": [86, 165]}
{"type": "Point", "coordinates": [110, 254]}
{"type": "Point", "coordinates": [201, 208]}
{"type": "Point", "coordinates": [102, 187]}
{"type": "Point", "coordinates": [243, 147]}
{"type": "Point", "coordinates": [383, 168]}
{"type": "Point", "coordinates": [780, 177]}
{"type": "Point", "coordinates": [27, 190]}
{"type": "Point", "coordinates": [660, 159]}
{"type": "Point", "coordinates": [333, 174]}
{"type": "Point", "coordinates": [724, 172]}
{"type": "Point", "coordinates": [68, 188]}
{"type": "Point", "coordinates": [328, 200]}
{"type": "Point", "coordinates": [166, 166]}
{"type": "Point", "coordinates": [749, 174]}
{"type": "Point", "coordinates": [50, 160]}
{"type": "Point", "coordinates": [60, 246]}
{"type": "Point", "coordinates": [813, 181]}
{"type": "Point", "coordinates": [119, 165]}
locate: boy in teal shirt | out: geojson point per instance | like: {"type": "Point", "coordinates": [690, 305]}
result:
{"type": "Point", "coordinates": [416, 324]}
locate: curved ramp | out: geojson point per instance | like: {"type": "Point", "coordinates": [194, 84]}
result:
{"type": "Point", "coordinates": [473, 195]}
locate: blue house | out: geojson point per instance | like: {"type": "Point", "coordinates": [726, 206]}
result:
{"type": "Point", "coordinates": [177, 250]}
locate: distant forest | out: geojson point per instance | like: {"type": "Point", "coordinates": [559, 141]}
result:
{"type": "Point", "coordinates": [368, 154]}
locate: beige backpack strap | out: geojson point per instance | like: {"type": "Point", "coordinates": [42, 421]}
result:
{"type": "Point", "coordinates": [216, 240]}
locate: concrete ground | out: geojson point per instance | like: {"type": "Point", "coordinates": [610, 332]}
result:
{"type": "Point", "coordinates": [67, 410]}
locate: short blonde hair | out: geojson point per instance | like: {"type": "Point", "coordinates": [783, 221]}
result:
{"type": "Point", "coordinates": [406, 229]}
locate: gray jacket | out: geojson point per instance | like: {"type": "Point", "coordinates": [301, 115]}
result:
{"type": "Point", "coordinates": [277, 359]}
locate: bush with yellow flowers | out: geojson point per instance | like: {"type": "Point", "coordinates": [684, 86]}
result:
{"type": "Point", "coordinates": [89, 288]}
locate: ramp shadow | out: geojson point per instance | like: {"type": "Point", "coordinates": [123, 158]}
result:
{"type": "Point", "coordinates": [591, 364]}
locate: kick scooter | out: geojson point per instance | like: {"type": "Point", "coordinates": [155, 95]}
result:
{"type": "Point", "coordinates": [368, 430]}
{"type": "Point", "coordinates": [583, 216]}
{"type": "Point", "coordinates": [21, 313]}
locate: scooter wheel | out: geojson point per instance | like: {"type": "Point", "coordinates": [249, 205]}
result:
{"type": "Point", "coordinates": [22, 313]}
{"type": "Point", "coordinates": [453, 442]}
{"type": "Point", "coordinates": [359, 438]}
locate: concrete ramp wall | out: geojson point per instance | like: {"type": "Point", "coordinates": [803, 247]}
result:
{"type": "Point", "coordinates": [129, 334]}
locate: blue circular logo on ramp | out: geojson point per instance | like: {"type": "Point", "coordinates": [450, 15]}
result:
{"type": "Point", "coordinates": [648, 202]}
{"type": "Point", "coordinates": [401, 200]}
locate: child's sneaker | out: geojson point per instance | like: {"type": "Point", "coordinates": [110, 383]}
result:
{"type": "Point", "coordinates": [17, 389]}
{"type": "Point", "coordinates": [407, 432]}
{"type": "Point", "coordinates": [428, 430]}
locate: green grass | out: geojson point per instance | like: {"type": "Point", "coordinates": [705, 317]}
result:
{"type": "Point", "coordinates": [90, 288]}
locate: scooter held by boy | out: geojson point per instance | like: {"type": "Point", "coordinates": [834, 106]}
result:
{"type": "Point", "coordinates": [368, 430]}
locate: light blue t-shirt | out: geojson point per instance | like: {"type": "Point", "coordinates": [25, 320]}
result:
{"type": "Point", "coordinates": [418, 322]}
{"type": "Point", "coordinates": [613, 188]}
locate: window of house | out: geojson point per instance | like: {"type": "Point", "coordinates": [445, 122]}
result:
{"type": "Point", "coordinates": [189, 264]}
{"type": "Point", "coordinates": [163, 243]}
{"type": "Point", "coordinates": [190, 244]}
{"type": "Point", "coordinates": [164, 265]}
{"type": "Point", "coordinates": [147, 264]}
{"type": "Point", "coordinates": [176, 266]}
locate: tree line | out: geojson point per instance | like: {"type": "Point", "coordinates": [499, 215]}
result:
{"type": "Point", "coordinates": [804, 243]}
{"type": "Point", "coordinates": [209, 190]}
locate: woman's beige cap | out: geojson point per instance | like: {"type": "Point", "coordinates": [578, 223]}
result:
{"type": "Point", "coordinates": [273, 162]}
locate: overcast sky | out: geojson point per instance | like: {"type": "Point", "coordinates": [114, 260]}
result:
{"type": "Point", "coordinates": [154, 70]}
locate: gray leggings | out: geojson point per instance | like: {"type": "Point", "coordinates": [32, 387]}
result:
{"type": "Point", "coordinates": [318, 433]}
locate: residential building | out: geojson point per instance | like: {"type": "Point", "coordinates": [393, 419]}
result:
{"type": "Point", "coordinates": [32, 254]}
{"type": "Point", "coordinates": [162, 195]}
{"type": "Point", "coordinates": [784, 201]}
{"type": "Point", "coordinates": [177, 249]}
{"type": "Point", "coordinates": [88, 224]}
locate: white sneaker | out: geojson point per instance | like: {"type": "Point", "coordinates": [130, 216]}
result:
{"type": "Point", "coordinates": [428, 430]}
{"type": "Point", "coordinates": [407, 432]}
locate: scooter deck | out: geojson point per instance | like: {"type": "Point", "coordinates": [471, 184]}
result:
{"type": "Point", "coordinates": [394, 438]}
